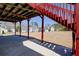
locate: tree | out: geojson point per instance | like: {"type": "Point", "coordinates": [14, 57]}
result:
{"type": "Point", "coordinates": [59, 27]}
{"type": "Point", "coordinates": [17, 28]}
{"type": "Point", "coordinates": [48, 27]}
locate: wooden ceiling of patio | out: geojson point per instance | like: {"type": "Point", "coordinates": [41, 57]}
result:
{"type": "Point", "coordinates": [14, 12]}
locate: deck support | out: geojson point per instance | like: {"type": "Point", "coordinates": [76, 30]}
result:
{"type": "Point", "coordinates": [28, 27]}
{"type": "Point", "coordinates": [20, 29]}
{"type": "Point", "coordinates": [73, 43]}
{"type": "Point", "coordinates": [77, 28]}
{"type": "Point", "coordinates": [42, 32]}
{"type": "Point", "coordinates": [15, 27]}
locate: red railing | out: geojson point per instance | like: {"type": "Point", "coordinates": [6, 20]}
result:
{"type": "Point", "coordinates": [62, 13]}
{"type": "Point", "coordinates": [65, 14]}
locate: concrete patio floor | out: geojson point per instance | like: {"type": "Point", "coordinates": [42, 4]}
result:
{"type": "Point", "coordinates": [21, 46]}
{"type": "Point", "coordinates": [13, 46]}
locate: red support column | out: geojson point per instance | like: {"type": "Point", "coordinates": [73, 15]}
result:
{"type": "Point", "coordinates": [73, 35]}
{"type": "Point", "coordinates": [28, 27]}
{"type": "Point", "coordinates": [15, 27]}
{"type": "Point", "coordinates": [73, 43]}
{"type": "Point", "coordinates": [42, 33]}
{"type": "Point", "coordinates": [77, 28]}
{"type": "Point", "coordinates": [20, 28]}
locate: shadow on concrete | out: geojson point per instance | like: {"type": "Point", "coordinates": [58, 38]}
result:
{"type": "Point", "coordinates": [13, 46]}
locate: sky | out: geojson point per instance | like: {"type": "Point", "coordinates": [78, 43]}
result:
{"type": "Point", "coordinates": [38, 19]}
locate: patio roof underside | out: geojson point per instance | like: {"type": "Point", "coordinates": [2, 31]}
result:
{"type": "Point", "coordinates": [14, 12]}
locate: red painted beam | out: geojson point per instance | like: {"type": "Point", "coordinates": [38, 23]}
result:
{"type": "Point", "coordinates": [43, 5]}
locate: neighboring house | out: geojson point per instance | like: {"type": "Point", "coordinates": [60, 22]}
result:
{"type": "Point", "coordinates": [10, 27]}
{"type": "Point", "coordinates": [52, 29]}
{"type": "Point", "coordinates": [3, 28]}
{"type": "Point", "coordinates": [6, 27]}
{"type": "Point", "coordinates": [49, 28]}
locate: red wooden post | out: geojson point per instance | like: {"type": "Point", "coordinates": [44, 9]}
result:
{"type": "Point", "coordinates": [71, 14]}
{"type": "Point", "coordinates": [20, 28]}
{"type": "Point", "coordinates": [42, 33]}
{"type": "Point", "coordinates": [73, 43]}
{"type": "Point", "coordinates": [77, 28]}
{"type": "Point", "coordinates": [15, 27]}
{"type": "Point", "coordinates": [67, 14]}
{"type": "Point", "coordinates": [60, 13]}
{"type": "Point", "coordinates": [28, 27]}
{"type": "Point", "coordinates": [64, 14]}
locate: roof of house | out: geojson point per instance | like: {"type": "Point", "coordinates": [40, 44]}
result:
{"type": "Point", "coordinates": [7, 25]}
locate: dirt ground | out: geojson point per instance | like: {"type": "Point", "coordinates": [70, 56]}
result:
{"type": "Point", "coordinates": [63, 38]}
